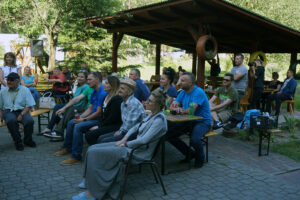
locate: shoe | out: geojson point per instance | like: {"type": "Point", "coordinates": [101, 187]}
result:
{"type": "Point", "coordinates": [218, 124]}
{"type": "Point", "coordinates": [62, 152]}
{"type": "Point", "coordinates": [52, 134]}
{"type": "Point", "coordinates": [42, 133]}
{"type": "Point", "coordinates": [19, 147]}
{"type": "Point", "coordinates": [70, 161]}
{"type": "Point", "coordinates": [30, 144]}
{"type": "Point", "coordinates": [186, 160]}
{"type": "Point", "coordinates": [198, 164]}
{"type": "Point", "coordinates": [82, 185]}
{"type": "Point", "coordinates": [82, 196]}
{"type": "Point", "coordinates": [57, 139]}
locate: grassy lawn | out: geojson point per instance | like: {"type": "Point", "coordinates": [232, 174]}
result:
{"type": "Point", "coordinates": [290, 149]}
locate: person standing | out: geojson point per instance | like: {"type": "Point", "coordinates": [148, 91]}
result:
{"type": "Point", "coordinates": [257, 72]}
{"type": "Point", "coordinates": [15, 104]}
{"type": "Point", "coordinates": [9, 67]}
{"type": "Point", "coordinates": [240, 75]}
{"type": "Point", "coordinates": [142, 91]}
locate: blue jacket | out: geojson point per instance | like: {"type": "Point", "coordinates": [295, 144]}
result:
{"type": "Point", "coordinates": [142, 91]}
{"type": "Point", "coordinates": [290, 88]}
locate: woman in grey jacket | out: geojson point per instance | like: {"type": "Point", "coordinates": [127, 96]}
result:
{"type": "Point", "coordinates": [105, 163]}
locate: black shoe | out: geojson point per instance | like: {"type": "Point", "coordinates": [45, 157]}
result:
{"type": "Point", "coordinates": [198, 164]}
{"type": "Point", "coordinates": [42, 133]}
{"type": "Point", "coordinates": [57, 139]}
{"type": "Point", "coordinates": [30, 144]}
{"type": "Point", "coordinates": [186, 160]}
{"type": "Point", "coordinates": [19, 147]}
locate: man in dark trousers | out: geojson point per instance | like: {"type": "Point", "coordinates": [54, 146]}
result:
{"type": "Point", "coordinates": [286, 92]}
{"type": "Point", "coordinates": [257, 71]}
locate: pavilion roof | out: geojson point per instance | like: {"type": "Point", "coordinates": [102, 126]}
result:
{"type": "Point", "coordinates": [235, 29]}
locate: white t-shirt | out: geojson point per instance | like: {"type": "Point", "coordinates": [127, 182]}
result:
{"type": "Point", "coordinates": [7, 70]}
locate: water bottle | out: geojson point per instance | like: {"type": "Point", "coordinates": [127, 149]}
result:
{"type": "Point", "coordinates": [191, 109]}
{"type": "Point", "coordinates": [167, 111]}
{"type": "Point", "coordinates": [77, 115]}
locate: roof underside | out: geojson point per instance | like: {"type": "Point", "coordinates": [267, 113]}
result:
{"type": "Point", "coordinates": [236, 29]}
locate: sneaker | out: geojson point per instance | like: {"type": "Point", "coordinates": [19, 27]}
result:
{"type": "Point", "coordinates": [61, 139]}
{"type": "Point", "coordinates": [218, 124]}
{"type": "Point", "coordinates": [82, 185]}
{"type": "Point", "coordinates": [30, 144]}
{"type": "Point", "coordinates": [52, 134]}
{"type": "Point", "coordinates": [82, 196]}
{"type": "Point", "coordinates": [62, 152]}
{"type": "Point", "coordinates": [70, 161]}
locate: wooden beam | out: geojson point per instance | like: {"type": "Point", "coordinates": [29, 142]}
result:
{"type": "Point", "coordinates": [157, 60]}
{"type": "Point", "coordinates": [117, 38]}
{"type": "Point", "coordinates": [164, 25]}
{"type": "Point", "coordinates": [293, 58]}
{"type": "Point", "coordinates": [194, 63]}
{"type": "Point", "coordinates": [200, 72]}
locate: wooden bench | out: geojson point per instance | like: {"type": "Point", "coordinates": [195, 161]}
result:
{"type": "Point", "coordinates": [40, 114]}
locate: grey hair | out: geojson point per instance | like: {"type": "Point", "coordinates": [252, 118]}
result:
{"type": "Point", "coordinates": [160, 97]}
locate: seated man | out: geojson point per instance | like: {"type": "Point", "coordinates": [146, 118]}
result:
{"type": "Point", "coordinates": [15, 103]}
{"type": "Point", "coordinates": [229, 102]}
{"type": "Point", "coordinates": [132, 112]}
{"type": "Point", "coordinates": [191, 94]}
{"type": "Point", "coordinates": [77, 127]}
{"type": "Point", "coordinates": [286, 92]}
{"type": "Point", "coordinates": [58, 81]}
{"type": "Point", "coordinates": [142, 91]}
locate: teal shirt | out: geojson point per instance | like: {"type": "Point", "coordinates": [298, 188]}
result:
{"type": "Point", "coordinates": [22, 98]}
{"type": "Point", "coordinates": [79, 91]}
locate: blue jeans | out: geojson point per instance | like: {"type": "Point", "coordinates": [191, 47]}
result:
{"type": "Point", "coordinates": [74, 136]}
{"type": "Point", "coordinates": [278, 98]}
{"type": "Point", "coordinates": [199, 129]}
{"type": "Point", "coordinates": [54, 118]}
{"type": "Point", "coordinates": [35, 93]}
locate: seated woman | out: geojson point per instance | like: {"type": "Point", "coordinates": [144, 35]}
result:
{"type": "Point", "coordinates": [59, 82]}
{"type": "Point", "coordinates": [110, 119]}
{"type": "Point", "coordinates": [105, 163]}
{"type": "Point", "coordinates": [80, 104]}
{"type": "Point", "coordinates": [274, 84]}
{"type": "Point", "coordinates": [166, 85]}
{"type": "Point", "coordinates": [28, 81]}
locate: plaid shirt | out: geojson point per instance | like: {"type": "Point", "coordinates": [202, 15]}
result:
{"type": "Point", "coordinates": [132, 112]}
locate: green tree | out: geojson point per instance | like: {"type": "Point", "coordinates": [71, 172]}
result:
{"type": "Point", "coordinates": [32, 18]}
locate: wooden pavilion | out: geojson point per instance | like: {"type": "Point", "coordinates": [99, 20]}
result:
{"type": "Point", "coordinates": [179, 23]}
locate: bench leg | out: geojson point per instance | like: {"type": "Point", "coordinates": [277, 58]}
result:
{"type": "Point", "coordinates": [39, 123]}
{"type": "Point", "coordinates": [260, 143]}
{"type": "Point", "coordinates": [206, 149]}
{"type": "Point", "coordinates": [163, 157]}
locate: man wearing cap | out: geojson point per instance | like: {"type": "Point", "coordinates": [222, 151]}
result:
{"type": "Point", "coordinates": [132, 112]}
{"type": "Point", "coordinates": [141, 91]}
{"type": "Point", "coordinates": [15, 103]}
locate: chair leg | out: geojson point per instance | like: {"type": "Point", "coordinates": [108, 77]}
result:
{"type": "Point", "coordinates": [159, 178]}
{"type": "Point", "coordinates": [152, 169]}
{"type": "Point", "coordinates": [124, 182]}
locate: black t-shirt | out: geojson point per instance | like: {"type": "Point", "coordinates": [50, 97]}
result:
{"type": "Point", "coordinates": [260, 73]}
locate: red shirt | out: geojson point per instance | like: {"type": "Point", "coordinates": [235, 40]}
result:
{"type": "Point", "coordinates": [63, 87]}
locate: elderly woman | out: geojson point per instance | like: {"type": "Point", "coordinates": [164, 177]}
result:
{"type": "Point", "coordinates": [8, 67]}
{"type": "Point", "coordinates": [105, 163]}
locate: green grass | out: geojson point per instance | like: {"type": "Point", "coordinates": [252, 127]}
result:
{"type": "Point", "coordinates": [289, 149]}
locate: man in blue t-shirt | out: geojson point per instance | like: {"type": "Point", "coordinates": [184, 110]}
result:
{"type": "Point", "coordinates": [191, 94]}
{"type": "Point", "coordinates": [141, 91]}
{"type": "Point", "coordinates": [89, 118]}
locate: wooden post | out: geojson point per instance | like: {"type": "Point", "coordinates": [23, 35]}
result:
{"type": "Point", "coordinates": [194, 62]}
{"type": "Point", "coordinates": [117, 38]}
{"type": "Point", "coordinates": [157, 60]}
{"type": "Point", "coordinates": [293, 58]}
{"type": "Point", "coordinates": [201, 72]}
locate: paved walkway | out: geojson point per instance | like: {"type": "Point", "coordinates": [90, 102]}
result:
{"type": "Point", "coordinates": [234, 171]}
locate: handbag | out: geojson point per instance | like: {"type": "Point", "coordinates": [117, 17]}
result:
{"type": "Point", "coordinates": [46, 101]}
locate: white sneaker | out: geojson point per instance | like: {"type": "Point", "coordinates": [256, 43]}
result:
{"type": "Point", "coordinates": [52, 134]}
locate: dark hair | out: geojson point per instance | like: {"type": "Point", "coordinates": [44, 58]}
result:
{"type": "Point", "coordinates": [191, 76]}
{"type": "Point", "coordinates": [97, 75]}
{"type": "Point", "coordinates": [84, 72]}
{"type": "Point", "coordinates": [137, 71]}
{"type": "Point", "coordinates": [11, 54]}
{"type": "Point", "coordinates": [239, 54]}
{"type": "Point", "coordinates": [293, 71]}
{"type": "Point", "coordinates": [275, 75]}
{"type": "Point", "coordinates": [115, 84]}
{"type": "Point", "coordinates": [230, 75]}
{"type": "Point", "coordinates": [170, 73]}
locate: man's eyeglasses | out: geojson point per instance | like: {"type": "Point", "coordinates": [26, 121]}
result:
{"type": "Point", "coordinates": [224, 79]}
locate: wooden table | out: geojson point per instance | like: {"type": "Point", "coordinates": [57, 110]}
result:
{"type": "Point", "coordinates": [173, 119]}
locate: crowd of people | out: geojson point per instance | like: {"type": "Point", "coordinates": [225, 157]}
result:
{"type": "Point", "coordinates": [110, 114]}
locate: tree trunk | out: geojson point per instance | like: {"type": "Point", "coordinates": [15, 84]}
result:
{"type": "Point", "coordinates": [52, 49]}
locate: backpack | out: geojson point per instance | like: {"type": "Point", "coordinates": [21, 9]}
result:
{"type": "Point", "coordinates": [234, 120]}
{"type": "Point", "coordinates": [245, 123]}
